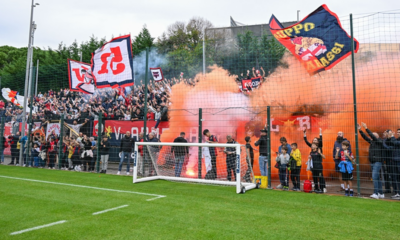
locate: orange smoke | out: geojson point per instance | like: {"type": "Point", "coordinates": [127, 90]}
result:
{"type": "Point", "coordinates": [291, 91]}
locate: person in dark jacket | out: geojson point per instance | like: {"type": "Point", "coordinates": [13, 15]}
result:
{"type": "Point", "coordinates": [317, 169]}
{"type": "Point", "coordinates": [230, 158]}
{"type": "Point", "coordinates": [180, 153]}
{"type": "Point", "coordinates": [393, 144]}
{"type": "Point", "coordinates": [316, 140]}
{"type": "Point", "coordinates": [338, 144]}
{"type": "Point", "coordinates": [13, 140]}
{"type": "Point", "coordinates": [213, 153]}
{"type": "Point", "coordinates": [375, 157]}
{"type": "Point", "coordinates": [127, 144]}
{"type": "Point", "coordinates": [263, 149]}
{"type": "Point", "coordinates": [104, 154]}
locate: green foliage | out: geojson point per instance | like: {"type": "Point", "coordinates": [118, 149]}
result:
{"type": "Point", "coordinates": [252, 51]}
{"type": "Point", "coordinates": [53, 68]}
{"type": "Point", "coordinates": [142, 41]}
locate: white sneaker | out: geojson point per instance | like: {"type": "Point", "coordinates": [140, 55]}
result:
{"type": "Point", "coordinates": [381, 196]}
{"type": "Point", "coordinates": [118, 173]}
{"type": "Point", "coordinates": [17, 164]}
{"type": "Point", "coordinates": [374, 196]}
{"type": "Point", "coordinates": [325, 191]}
{"type": "Point", "coordinates": [396, 196]}
{"type": "Point", "coordinates": [54, 168]}
{"type": "Point", "coordinates": [76, 168]}
{"type": "Point", "coordinates": [279, 186]}
{"type": "Point", "coordinates": [24, 165]}
{"type": "Point", "coordinates": [127, 173]}
{"type": "Point", "coordinates": [79, 168]}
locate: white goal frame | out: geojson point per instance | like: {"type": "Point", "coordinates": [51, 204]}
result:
{"type": "Point", "coordinates": [241, 187]}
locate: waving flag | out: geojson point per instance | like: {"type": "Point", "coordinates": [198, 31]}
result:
{"type": "Point", "coordinates": [250, 84]}
{"type": "Point", "coordinates": [112, 63]}
{"type": "Point", "coordinates": [13, 97]}
{"type": "Point", "coordinates": [80, 77]}
{"type": "Point", "coordinates": [157, 74]}
{"type": "Point", "coordinates": [318, 41]}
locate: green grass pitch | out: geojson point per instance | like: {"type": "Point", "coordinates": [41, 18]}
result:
{"type": "Point", "coordinates": [189, 211]}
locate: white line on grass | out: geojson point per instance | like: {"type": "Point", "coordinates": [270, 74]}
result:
{"type": "Point", "coordinates": [38, 227]}
{"type": "Point", "coordinates": [82, 186]}
{"type": "Point", "coordinates": [111, 209]}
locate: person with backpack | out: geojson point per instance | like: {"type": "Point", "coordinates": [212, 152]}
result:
{"type": "Point", "coordinates": [346, 166]}
{"type": "Point", "coordinates": [315, 158]}
{"type": "Point", "coordinates": [295, 166]}
{"type": "Point", "coordinates": [283, 159]}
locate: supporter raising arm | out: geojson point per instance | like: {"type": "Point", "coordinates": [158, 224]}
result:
{"type": "Point", "coordinates": [316, 140]}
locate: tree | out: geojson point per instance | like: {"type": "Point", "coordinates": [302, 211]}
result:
{"type": "Point", "coordinates": [142, 41]}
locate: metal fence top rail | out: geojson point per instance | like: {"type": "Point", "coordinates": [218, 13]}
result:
{"type": "Point", "coordinates": [188, 144]}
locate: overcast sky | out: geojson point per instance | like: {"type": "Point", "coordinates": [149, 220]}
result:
{"type": "Point", "coordinates": [64, 21]}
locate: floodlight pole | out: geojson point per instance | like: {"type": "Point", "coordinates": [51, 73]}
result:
{"type": "Point", "coordinates": [28, 60]}
{"type": "Point", "coordinates": [37, 77]}
{"type": "Point", "coordinates": [298, 15]}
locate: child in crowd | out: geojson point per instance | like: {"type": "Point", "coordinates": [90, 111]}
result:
{"type": "Point", "coordinates": [295, 166]}
{"type": "Point", "coordinates": [35, 155]}
{"type": "Point", "coordinates": [316, 168]}
{"type": "Point", "coordinates": [346, 166]}
{"type": "Point", "coordinates": [283, 160]}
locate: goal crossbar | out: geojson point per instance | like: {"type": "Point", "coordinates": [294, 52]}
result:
{"type": "Point", "coordinates": [239, 185]}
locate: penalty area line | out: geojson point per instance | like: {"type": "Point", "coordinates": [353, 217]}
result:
{"type": "Point", "coordinates": [111, 209]}
{"type": "Point", "coordinates": [156, 196]}
{"type": "Point", "coordinates": [38, 227]}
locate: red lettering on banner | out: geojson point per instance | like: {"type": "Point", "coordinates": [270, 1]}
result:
{"type": "Point", "coordinates": [78, 75]}
{"type": "Point", "coordinates": [116, 58]}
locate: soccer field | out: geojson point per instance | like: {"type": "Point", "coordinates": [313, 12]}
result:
{"type": "Point", "coordinates": [93, 206]}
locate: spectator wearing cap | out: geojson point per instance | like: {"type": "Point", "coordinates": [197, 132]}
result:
{"type": "Point", "coordinates": [262, 143]}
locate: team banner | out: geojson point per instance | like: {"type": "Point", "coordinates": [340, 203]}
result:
{"type": "Point", "coordinates": [157, 74]}
{"type": "Point", "coordinates": [249, 84]}
{"type": "Point", "coordinates": [80, 77]}
{"type": "Point", "coordinates": [318, 41]}
{"type": "Point", "coordinates": [53, 128]}
{"type": "Point", "coordinates": [112, 63]}
{"type": "Point", "coordinates": [115, 130]}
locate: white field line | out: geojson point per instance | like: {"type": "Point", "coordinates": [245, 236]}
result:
{"type": "Point", "coordinates": [82, 186]}
{"type": "Point", "coordinates": [38, 227]}
{"type": "Point", "coordinates": [111, 209]}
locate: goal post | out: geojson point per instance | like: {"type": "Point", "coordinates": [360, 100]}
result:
{"type": "Point", "coordinates": [179, 162]}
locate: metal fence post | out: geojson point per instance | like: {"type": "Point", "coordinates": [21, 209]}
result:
{"type": "Point", "coordinates": [61, 141]}
{"type": "Point", "coordinates": [145, 97]}
{"type": "Point", "coordinates": [99, 137]}
{"type": "Point", "coordinates": [269, 144]}
{"type": "Point", "coordinates": [1, 140]}
{"type": "Point", "coordinates": [355, 105]}
{"type": "Point", "coordinates": [200, 141]}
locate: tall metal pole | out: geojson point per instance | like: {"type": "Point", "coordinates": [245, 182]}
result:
{"type": "Point", "coordinates": [204, 51]}
{"type": "Point", "coordinates": [30, 121]}
{"type": "Point", "coordinates": [298, 15]}
{"type": "Point", "coordinates": [80, 57]}
{"type": "Point", "coordinates": [26, 79]}
{"type": "Point", "coordinates": [31, 64]}
{"type": "Point", "coordinates": [99, 139]}
{"type": "Point", "coordinates": [353, 69]}
{"type": "Point", "coordinates": [37, 77]}
{"type": "Point", "coordinates": [200, 141]}
{"type": "Point", "coordinates": [145, 96]}
{"type": "Point", "coordinates": [269, 145]}
{"type": "Point", "coordinates": [61, 142]}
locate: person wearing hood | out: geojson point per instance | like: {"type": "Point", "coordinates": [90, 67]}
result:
{"type": "Point", "coordinates": [180, 153]}
{"type": "Point", "coordinates": [338, 145]}
{"type": "Point", "coordinates": [127, 143]}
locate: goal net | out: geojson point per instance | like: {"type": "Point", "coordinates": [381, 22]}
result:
{"type": "Point", "coordinates": [222, 164]}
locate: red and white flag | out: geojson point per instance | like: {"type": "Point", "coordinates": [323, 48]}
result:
{"type": "Point", "coordinates": [112, 63]}
{"type": "Point", "coordinates": [80, 77]}
{"type": "Point", "coordinates": [157, 74]}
